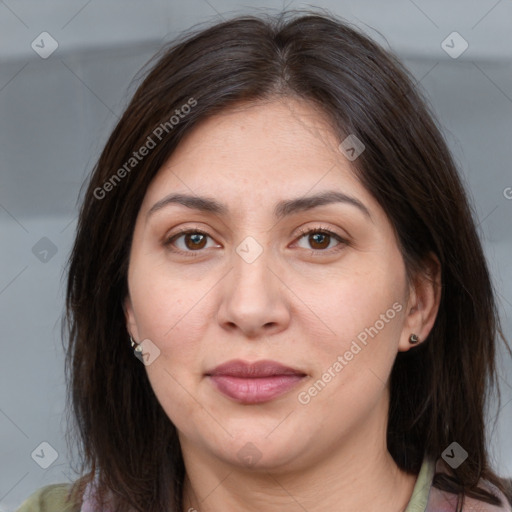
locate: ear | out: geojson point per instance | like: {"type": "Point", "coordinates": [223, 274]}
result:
{"type": "Point", "coordinates": [423, 303]}
{"type": "Point", "coordinates": [131, 323]}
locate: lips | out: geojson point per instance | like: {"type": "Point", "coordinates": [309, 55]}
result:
{"type": "Point", "coordinates": [258, 369]}
{"type": "Point", "coordinates": [253, 383]}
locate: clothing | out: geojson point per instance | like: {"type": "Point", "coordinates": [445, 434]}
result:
{"type": "Point", "coordinates": [425, 498]}
{"type": "Point", "coordinates": [51, 498]}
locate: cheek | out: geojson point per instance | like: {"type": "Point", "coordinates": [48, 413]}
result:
{"type": "Point", "coordinates": [171, 312]}
{"type": "Point", "coordinates": [347, 303]}
{"type": "Point", "coordinates": [359, 316]}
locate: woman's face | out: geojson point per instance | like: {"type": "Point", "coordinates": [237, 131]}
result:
{"type": "Point", "coordinates": [252, 286]}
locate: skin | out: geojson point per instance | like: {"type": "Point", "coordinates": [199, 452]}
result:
{"type": "Point", "coordinates": [299, 302]}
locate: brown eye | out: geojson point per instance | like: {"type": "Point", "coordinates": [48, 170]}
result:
{"type": "Point", "coordinates": [187, 241]}
{"type": "Point", "coordinates": [320, 240]}
{"type": "Point", "coordinates": [196, 241]}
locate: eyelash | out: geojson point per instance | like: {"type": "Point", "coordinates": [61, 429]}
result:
{"type": "Point", "coordinates": [303, 232]}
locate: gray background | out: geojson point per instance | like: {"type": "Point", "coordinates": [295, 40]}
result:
{"type": "Point", "coordinates": [56, 114]}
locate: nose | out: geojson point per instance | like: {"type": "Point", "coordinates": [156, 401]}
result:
{"type": "Point", "coordinates": [254, 298]}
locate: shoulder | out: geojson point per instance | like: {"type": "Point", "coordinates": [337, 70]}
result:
{"type": "Point", "coordinates": [473, 503]}
{"type": "Point", "coordinates": [441, 501]}
{"type": "Point", "coordinates": [50, 498]}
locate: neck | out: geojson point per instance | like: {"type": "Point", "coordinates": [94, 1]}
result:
{"type": "Point", "coordinates": [385, 489]}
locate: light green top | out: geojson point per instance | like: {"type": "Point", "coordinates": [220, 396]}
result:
{"type": "Point", "coordinates": [52, 498]}
{"type": "Point", "coordinates": [419, 498]}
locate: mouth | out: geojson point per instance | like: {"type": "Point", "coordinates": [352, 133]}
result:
{"type": "Point", "coordinates": [254, 383]}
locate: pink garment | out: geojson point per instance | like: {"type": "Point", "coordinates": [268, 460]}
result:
{"type": "Point", "coordinates": [89, 503]}
{"type": "Point", "coordinates": [440, 501]}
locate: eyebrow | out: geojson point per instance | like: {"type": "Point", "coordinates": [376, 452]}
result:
{"type": "Point", "coordinates": [281, 210]}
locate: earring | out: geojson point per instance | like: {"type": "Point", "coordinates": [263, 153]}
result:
{"type": "Point", "coordinates": [413, 339]}
{"type": "Point", "coordinates": [138, 349]}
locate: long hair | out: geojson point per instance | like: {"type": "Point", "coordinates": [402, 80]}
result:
{"type": "Point", "coordinates": [439, 390]}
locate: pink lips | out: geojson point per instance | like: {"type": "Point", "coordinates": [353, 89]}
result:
{"type": "Point", "coordinates": [253, 383]}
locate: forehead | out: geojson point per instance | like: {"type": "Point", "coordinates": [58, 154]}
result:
{"type": "Point", "coordinates": [269, 149]}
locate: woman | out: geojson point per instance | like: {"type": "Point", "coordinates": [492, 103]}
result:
{"type": "Point", "coordinates": [277, 228]}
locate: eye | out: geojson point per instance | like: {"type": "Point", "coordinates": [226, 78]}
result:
{"type": "Point", "coordinates": [320, 239]}
{"type": "Point", "coordinates": [193, 241]}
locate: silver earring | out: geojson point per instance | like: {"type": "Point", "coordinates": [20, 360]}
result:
{"type": "Point", "coordinates": [413, 339]}
{"type": "Point", "coordinates": [138, 348]}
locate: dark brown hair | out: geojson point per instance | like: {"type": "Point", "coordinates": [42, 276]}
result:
{"type": "Point", "coordinates": [439, 390]}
